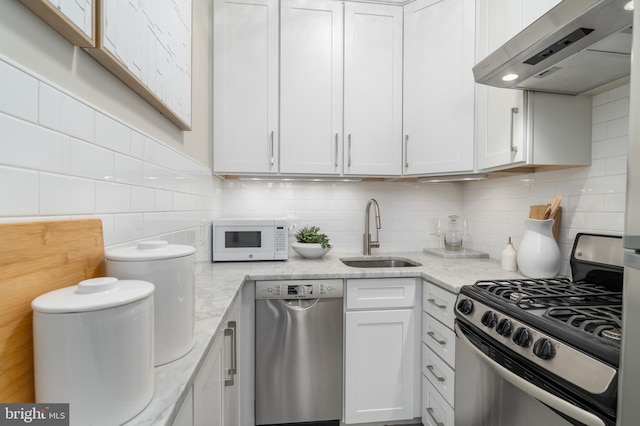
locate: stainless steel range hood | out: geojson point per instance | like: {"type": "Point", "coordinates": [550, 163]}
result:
{"type": "Point", "coordinates": [575, 47]}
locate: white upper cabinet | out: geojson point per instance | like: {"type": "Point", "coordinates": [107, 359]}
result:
{"type": "Point", "coordinates": [245, 84]}
{"type": "Point", "coordinates": [311, 49]}
{"type": "Point", "coordinates": [502, 116]}
{"type": "Point", "coordinates": [372, 89]}
{"type": "Point", "coordinates": [439, 86]}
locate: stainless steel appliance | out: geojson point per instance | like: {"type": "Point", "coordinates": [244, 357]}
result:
{"type": "Point", "coordinates": [575, 47]}
{"type": "Point", "coordinates": [249, 239]}
{"type": "Point", "coordinates": [628, 406]}
{"type": "Point", "coordinates": [543, 351]}
{"type": "Point", "coordinates": [299, 351]}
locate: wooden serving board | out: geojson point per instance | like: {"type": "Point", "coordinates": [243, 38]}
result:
{"type": "Point", "coordinates": [537, 212]}
{"type": "Point", "coordinates": [35, 258]}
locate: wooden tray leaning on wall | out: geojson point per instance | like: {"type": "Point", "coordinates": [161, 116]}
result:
{"type": "Point", "coordinates": [537, 212]}
{"type": "Point", "coordinates": [35, 258]}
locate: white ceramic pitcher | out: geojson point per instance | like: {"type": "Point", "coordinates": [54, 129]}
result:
{"type": "Point", "coordinates": [539, 254]}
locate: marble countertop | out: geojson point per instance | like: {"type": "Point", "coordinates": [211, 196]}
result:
{"type": "Point", "coordinates": [217, 284]}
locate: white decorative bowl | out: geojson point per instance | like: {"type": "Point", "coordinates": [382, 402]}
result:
{"type": "Point", "coordinates": [310, 250]}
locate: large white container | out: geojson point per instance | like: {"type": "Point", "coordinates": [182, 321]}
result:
{"type": "Point", "coordinates": [93, 349]}
{"type": "Point", "coordinates": [171, 269]}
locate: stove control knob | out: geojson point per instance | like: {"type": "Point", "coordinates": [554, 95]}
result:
{"type": "Point", "coordinates": [522, 337]}
{"type": "Point", "coordinates": [504, 327]}
{"type": "Point", "coordinates": [489, 319]}
{"type": "Point", "coordinates": [465, 306]}
{"type": "Point", "coordinates": [543, 348]}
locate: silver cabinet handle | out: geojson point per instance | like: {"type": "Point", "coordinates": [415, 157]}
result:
{"type": "Point", "coordinates": [430, 411]}
{"type": "Point", "coordinates": [433, 302]}
{"type": "Point", "coordinates": [271, 148]}
{"type": "Point", "coordinates": [431, 369]}
{"type": "Point", "coordinates": [231, 331]}
{"type": "Point", "coordinates": [336, 162]}
{"type": "Point", "coordinates": [349, 161]}
{"type": "Point", "coordinates": [406, 151]}
{"type": "Point", "coordinates": [513, 148]}
{"type": "Point", "coordinates": [433, 336]}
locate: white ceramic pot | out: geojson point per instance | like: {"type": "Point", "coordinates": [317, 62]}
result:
{"type": "Point", "coordinates": [539, 254]}
{"type": "Point", "coordinates": [310, 250]}
{"type": "Point", "coordinates": [171, 269]}
{"type": "Point", "coordinates": [93, 349]}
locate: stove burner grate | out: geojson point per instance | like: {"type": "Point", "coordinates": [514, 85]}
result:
{"type": "Point", "coordinates": [603, 322]}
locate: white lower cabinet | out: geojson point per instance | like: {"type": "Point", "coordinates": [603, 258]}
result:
{"type": "Point", "coordinates": [185, 414]}
{"type": "Point", "coordinates": [438, 356]}
{"type": "Point", "coordinates": [216, 389]}
{"type": "Point", "coordinates": [379, 350]}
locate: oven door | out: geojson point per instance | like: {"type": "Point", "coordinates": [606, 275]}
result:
{"type": "Point", "coordinates": [488, 394]}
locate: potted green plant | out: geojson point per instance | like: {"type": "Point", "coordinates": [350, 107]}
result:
{"type": "Point", "coordinates": [310, 243]}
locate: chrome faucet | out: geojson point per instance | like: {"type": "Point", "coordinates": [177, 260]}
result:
{"type": "Point", "coordinates": [367, 235]}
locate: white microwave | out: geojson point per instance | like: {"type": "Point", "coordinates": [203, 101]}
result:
{"type": "Point", "coordinates": [249, 240]}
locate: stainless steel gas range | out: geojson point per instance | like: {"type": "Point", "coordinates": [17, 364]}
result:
{"type": "Point", "coordinates": [543, 351]}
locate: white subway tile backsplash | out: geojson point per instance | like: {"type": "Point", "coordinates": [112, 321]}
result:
{"type": "Point", "coordinates": [113, 198]}
{"type": "Point", "coordinates": [615, 109]}
{"type": "Point", "coordinates": [60, 156]}
{"type": "Point", "coordinates": [19, 192]}
{"type": "Point", "coordinates": [28, 146]}
{"type": "Point", "coordinates": [18, 93]}
{"type": "Point", "coordinates": [90, 161]}
{"type": "Point", "coordinates": [164, 200]}
{"type": "Point", "coordinates": [112, 135]}
{"type": "Point", "coordinates": [66, 195]}
{"type": "Point", "coordinates": [59, 111]}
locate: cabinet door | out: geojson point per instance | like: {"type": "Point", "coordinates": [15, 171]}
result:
{"type": "Point", "coordinates": [500, 112]}
{"type": "Point", "coordinates": [379, 366]}
{"type": "Point", "coordinates": [373, 89]}
{"type": "Point", "coordinates": [245, 86]}
{"type": "Point", "coordinates": [231, 392]}
{"type": "Point", "coordinates": [185, 415]}
{"type": "Point", "coordinates": [208, 388]}
{"type": "Point", "coordinates": [439, 86]}
{"type": "Point", "coordinates": [311, 86]}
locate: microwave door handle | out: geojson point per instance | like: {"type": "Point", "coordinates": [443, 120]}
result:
{"type": "Point", "coordinates": [545, 397]}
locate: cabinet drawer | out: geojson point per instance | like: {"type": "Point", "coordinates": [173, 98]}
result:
{"type": "Point", "coordinates": [439, 303]}
{"type": "Point", "coordinates": [441, 376]}
{"type": "Point", "coordinates": [435, 410]}
{"type": "Point", "coordinates": [381, 293]}
{"type": "Point", "coordinates": [439, 338]}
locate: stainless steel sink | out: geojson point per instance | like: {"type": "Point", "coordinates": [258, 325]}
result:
{"type": "Point", "coordinates": [379, 262]}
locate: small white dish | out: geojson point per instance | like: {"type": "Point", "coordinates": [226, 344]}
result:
{"type": "Point", "coordinates": [310, 250]}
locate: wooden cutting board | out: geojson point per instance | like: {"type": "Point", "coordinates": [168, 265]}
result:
{"type": "Point", "coordinates": [35, 258]}
{"type": "Point", "coordinates": [537, 212]}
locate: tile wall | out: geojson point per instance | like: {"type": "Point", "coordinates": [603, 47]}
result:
{"type": "Point", "coordinates": [61, 158]}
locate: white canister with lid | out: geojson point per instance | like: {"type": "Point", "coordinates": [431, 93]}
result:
{"type": "Point", "coordinates": [171, 269]}
{"type": "Point", "coordinates": [93, 349]}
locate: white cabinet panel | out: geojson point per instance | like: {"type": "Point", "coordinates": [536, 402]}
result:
{"type": "Point", "coordinates": [439, 338]}
{"type": "Point", "coordinates": [311, 58]}
{"type": "Point", "coordinates": [439, 303]}
{"type": "Point", "coordinates": [380, 293]}
{"type": "Point", "coordinates": [185, 415]}
{"type": "Point", "coordinates": [208, 388]}
{"type": "Point", "coordinates": [379, 366]}
{"type": "Point", "coordinates": [245, 84]}
{"type": "Point", "coordinates": [439, 86]}
{"type": "Point", "coordinates": [436, 411]}
{"type": "Point", "coordinates": [441, 376]}
{"type": "Point", "coordinates": [373, 89]}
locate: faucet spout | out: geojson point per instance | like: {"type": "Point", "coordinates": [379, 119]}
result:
{"type": "Point", "coordinates": [367, 243]}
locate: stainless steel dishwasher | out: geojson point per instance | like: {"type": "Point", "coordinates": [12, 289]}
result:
{"type": "Point", "coordinates": [299, 351]}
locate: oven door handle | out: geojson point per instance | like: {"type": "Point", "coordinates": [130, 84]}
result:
{"type": "Point", "coordinates": [541, 395]}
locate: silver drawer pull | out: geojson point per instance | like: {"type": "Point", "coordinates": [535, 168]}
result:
{"type": "Point", "coordinates": [432, 370]}
{"type": "Point", "coordinates": [430, 411]}
{"type": "Point", "coordinates": [433, 302]}
{"type": "Point", "coordinates": [433, 336]}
